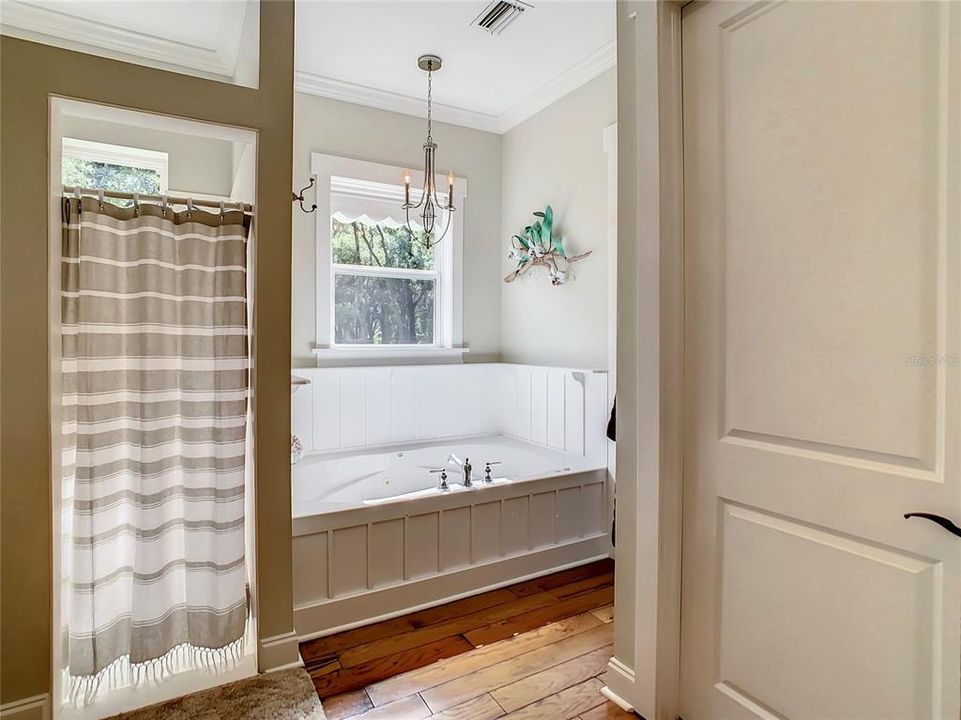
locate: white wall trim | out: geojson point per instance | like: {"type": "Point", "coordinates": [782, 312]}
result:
{"type": "Point", "coordinates": [279, 652]}
{"type": "Point", "coordinates": [35, 22]}
{"type": "Point", "coordinates": [31, 708]}
{"type": "Point", "coordinates": [566, 82]}
{"type": "Point", "coordinates": [620, 682]}
{"type": "Point", "coordinates": [313, 84]}
{"type": "Point", "coordinates": [602, 59]}
{"type": "Point", "coordinates": [650, 357]}
{"type": "Point", "coordinates": [616, 699]}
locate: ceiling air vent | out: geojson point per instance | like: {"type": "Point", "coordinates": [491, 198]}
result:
{"type": "Point", "coordinates": [499, 14]}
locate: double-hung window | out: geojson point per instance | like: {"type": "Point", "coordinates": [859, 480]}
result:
{"type": "Point", "coordinates": [383, 289]}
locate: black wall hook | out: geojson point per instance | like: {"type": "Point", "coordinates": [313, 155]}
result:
{"type": "Point", "coordinates": [300, 198]}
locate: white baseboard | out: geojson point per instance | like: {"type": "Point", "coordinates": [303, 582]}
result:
{"type": "Point", "coordinates": [31, 708]}
{"type": "Point", "coordinates": [620, 681]}
{"type": "Point", "coordinates": [279, 652]}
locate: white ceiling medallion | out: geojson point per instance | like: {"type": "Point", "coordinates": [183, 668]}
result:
{"type": "Point", "coordinates": [550, 92]}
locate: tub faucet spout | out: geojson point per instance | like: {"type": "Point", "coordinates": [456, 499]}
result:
{"type": "Point", "coordinates": [464, 465]}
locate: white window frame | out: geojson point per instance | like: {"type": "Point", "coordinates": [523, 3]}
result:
{"type": "Point", "coordinates": [360, 179]}
{"type": "Point", "coordinates": [122, 155]}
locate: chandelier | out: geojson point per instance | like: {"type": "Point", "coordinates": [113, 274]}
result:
{"type": "Point", "coordinates": [430, 203]}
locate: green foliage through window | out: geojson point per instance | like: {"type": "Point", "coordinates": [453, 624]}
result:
{"type": "Point", "coordinates": [370, 310]}
{"type": "Point", "coordinates": [90, 174]}
{"type": "Point", "coordinates": [377, 244]}
{"type": "Point", "coordinates": [373, 309]}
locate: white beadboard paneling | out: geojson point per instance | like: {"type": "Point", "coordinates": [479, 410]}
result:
{"type": "Point", "coordinates": [492, 399]}
{"type": "Point", "coordinates": [523, 402]}
{"type": "Point", "coordinates": [378, 406]}
{"type": "Point", "coordinates": [326, 396]}
{"type": "Point", "coordinates": [353, 408]}
{"type": "Point", "coordinates": [386, 552]}
{"type": "Point", "coordinates": [574, 412]}
{"type": "Point", "coordinates": [302, 416]}
{"type": "Point", "coordinates": [403, 404]}
{"type": "Point", "coordinates": [506, 394]}
{"type": "Point", "coordinates": [373, 406]}
{"type": "Point", "coordinates": [569, 514]}
{"type": "Point", "coordinates": [556, 413]}
{"type": "Point", "coordinates": [542, 520]}
{"type": "Point", "coordinates": [348, 560]}
{"type": "Point", "coordinates": [440, 402]}
{"type": "Point", "coordinates": [422, 545]}
{"type": "Point", "coordinates": [486, 531]}
{"type": "Point", "coordinates": [539, 406]}
{"type": "Point", "coordinates": [471, 390]}
{"type": "Point", "coordinates": [514, 523]}
{"type": "Point", "coordinates": [596, 415]}
{"type": "Point", "coordinates": [455, 538]}
{"type": "Point", "coordinates": [310, 568]}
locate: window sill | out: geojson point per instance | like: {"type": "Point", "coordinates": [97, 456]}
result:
{"type": "Point", "coordinates": [393, 353]}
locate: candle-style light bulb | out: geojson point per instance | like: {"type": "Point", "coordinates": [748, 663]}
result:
{"type": "Point", "coordinates": [450, 189]}
{"type": "Point", "coordinates": [406, 187]}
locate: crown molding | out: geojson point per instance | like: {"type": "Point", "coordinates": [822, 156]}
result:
{"type": "Point", "coordinates": [314, 84]}
{"type": "Point", "coordinates": [35, 22]}
{"type": "Point", "coordinates": [582, 72]}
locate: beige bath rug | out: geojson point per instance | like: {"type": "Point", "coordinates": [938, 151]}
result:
{"type": "Point", "coordinates": [283, 695]}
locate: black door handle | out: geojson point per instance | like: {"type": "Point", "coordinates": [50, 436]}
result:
{"type": "Point", "coordinates": [942, 521]}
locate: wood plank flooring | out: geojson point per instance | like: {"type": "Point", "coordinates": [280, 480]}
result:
{"type": "Point", "coordinates": [537, 649]}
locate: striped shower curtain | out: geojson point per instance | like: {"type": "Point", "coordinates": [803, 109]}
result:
{"type": "Point", "coordinates": [155, 379]}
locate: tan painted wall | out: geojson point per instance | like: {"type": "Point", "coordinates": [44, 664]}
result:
{"type": "Point", "coordinates": [364, 133]}
{"type": "Point", "coordinates": [29, 73]}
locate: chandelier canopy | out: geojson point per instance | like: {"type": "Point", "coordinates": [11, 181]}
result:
{"type": "Point", "coordinates": [430, 203]}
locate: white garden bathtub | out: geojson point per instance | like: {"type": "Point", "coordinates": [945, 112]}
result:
{"type": "Point", "coordinates": [350, 479]}
{"type": "Point", "coordinates": [374, 536]}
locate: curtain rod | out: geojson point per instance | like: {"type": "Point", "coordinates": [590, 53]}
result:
{"type": "Point", "coordinates": [169, 199]}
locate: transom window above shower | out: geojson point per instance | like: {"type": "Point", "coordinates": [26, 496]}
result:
{"type": "Point", "coordinates": [93, 165]}
{"type": "Point", "coordinates": [383, 289]}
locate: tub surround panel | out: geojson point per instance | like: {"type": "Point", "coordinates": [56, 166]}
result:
{"type": "Point", "coordinates": [462, 544]}
{"type": "Point", "coordinates": [361, 407]}
{"type": "Point", "coordinates": [355, 564]}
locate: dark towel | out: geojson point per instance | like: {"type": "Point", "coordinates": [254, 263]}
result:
{"type": "Point", "coordinates": [612, 423]}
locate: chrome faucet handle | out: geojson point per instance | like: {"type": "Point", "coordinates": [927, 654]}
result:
{"type": "Point", "coordinates": [487, 470]}
{"type": "Point", "coordinates": [443, 487]}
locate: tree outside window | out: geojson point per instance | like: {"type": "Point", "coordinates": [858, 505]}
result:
{"type": "Point", "coordinates": [385, 283]}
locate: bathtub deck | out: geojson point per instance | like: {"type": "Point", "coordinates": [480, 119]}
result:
{"type": "Point", "coordinates": [535, 649]}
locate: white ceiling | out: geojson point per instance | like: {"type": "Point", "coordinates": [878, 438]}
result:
{"type": "Point", "coordinates": [366, 51]}
{"type": "Point", "coordinates": [362, 51]}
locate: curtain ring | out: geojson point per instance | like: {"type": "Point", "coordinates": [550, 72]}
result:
{"type": "Point", "coordinates": [100, 197]}
{"type": "Point", "coordinates": [223, 207]}
{"type": "Point", "coordinates": [190, 207]}
{"type": "Point", "coordinates": [163, 205]}
{"type": "Point", "coordinates": [136, 204]}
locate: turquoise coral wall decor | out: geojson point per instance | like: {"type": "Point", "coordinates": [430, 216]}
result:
{"type": "Point", "coordinates": [539, 246]}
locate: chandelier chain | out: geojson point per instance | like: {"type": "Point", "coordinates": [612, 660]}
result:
{"type": "Point", "coordinates": [429, 83]}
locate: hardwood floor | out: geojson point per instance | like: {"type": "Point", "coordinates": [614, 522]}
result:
{"type": "Point", "coordinates": [537, 649]}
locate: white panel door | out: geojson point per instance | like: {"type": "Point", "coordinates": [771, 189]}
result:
{"type": "Point", "coordinates": [822, 153]}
